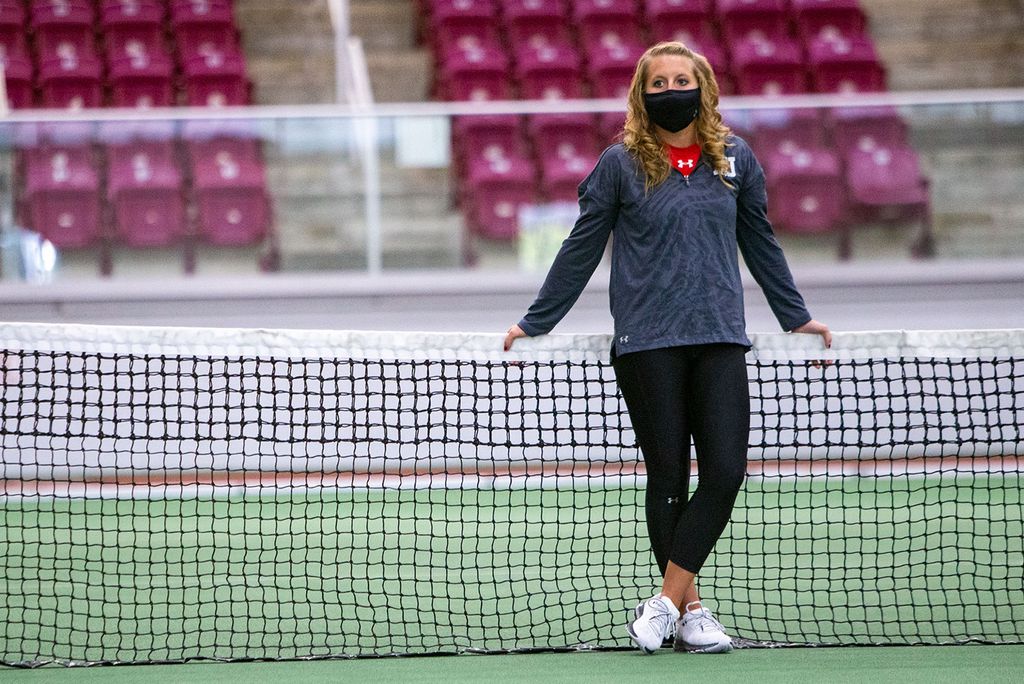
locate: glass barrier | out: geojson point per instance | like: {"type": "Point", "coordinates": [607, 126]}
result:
{"type": "Point", "coordinates": [460, 186]}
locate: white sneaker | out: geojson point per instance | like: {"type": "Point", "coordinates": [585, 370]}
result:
{"type": "Point", "coordinates": [699, 632]}
{"type": "Point", "coordinates": [653, 621]}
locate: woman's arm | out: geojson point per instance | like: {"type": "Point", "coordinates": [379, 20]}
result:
{"type": "Point", "coordinates": [762, 252]}
{"type": "Point", "coordinates": [579, 254]}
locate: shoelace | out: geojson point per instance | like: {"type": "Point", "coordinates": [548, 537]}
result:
{"type": "Point", "coordinates": [706, 621]}
{"type": "Point", "coordinates": [661, 617]}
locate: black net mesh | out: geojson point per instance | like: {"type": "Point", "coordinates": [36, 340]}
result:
{"type": "Point", "coordinates": [162, 506]}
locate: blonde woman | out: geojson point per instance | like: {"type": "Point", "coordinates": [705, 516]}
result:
{"type": "Point", "coordinates": [681, 195]}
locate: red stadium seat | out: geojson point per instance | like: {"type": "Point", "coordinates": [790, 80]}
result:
{"type": "Point", "coordinates": [494, 135]}
{"type": "Point", "coordinates": [769, 67]}
{"type": "Point", "coordinates": [886, 185]}
{"type": "Point", "coordinates": [71, 80]}
{"type": "Point", "coordinates": [477, 74]}
{"type": "Point", "coordinates": [18, 75]}
{"type": "Point", "coordinates": [867, 128]}
{"type": "Point", "coordinates": [215, 78]}
{"type": "Point", "coordinates": [845, 65]}
{"type": "Point", "coordinates": [562, 173]}
{"type": "Point", "coordinates": [806, 190]}
{"type": "Point", "coordinates": [142, 80]}
{"type": "Point", "coordinates": [452, 22]}
{"type": "Point", "coordinates": [610, 67]}
{"type": "Point", "coordinates": [13, 28]}
{"type": "Point", "coordinates": [59, 23]}
{"type": "Point", "coordinates": [550, 71]}
{"type": "Point", "coordinates": [198, 22]}
{"type": "Point", "coordinates": [62, 189]}
{"type": "Point", "coordinates": [533, 22]}
{"type": "Point", "coordinates": [495, 189]}
{"type": "Point", "coordinates": [690, 22]}
{"type": "Point", "coordinates": [120, 13]}
{"type": "Point", "coordinates": [785, 131]}
{"type": "Point", "coordinates": [564, 135]}
{"type": "Point", "coordinates": [744, 19]}
{"type": "Point", "coordinates": [145, 189]}
{"type": "Point", "coordinates": [607, 22]}
{"type": "Point", "coordinates": [828, 18]}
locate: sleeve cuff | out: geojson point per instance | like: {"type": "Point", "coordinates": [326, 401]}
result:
{"type": "Point", "coordinates": [803, 320]}
{"type": "Point", "coordinates": [531, 331]}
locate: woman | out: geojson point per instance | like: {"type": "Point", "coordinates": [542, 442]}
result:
{"type": "Point", "coordinates": [679, 194]}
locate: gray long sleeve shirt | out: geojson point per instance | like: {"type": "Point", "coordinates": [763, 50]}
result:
{"type": "Point", "coordinates": [675, 276]}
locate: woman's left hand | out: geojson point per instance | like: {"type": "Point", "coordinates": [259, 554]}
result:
{"type": "Point", "coordinates": [813, 327]}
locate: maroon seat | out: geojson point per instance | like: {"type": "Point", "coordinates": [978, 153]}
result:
{"type": "Point", "coordinates": [480, 73]}
{"type": "Point", "coordinates": [866, 128]}
{"type": "Point", "coordinates": [607, 22]}
{"type": "Point", "coordinates": [610, 67]}
{"type": "Point", "coordinates": [564, 135]}
{"type": "Point", "coordinates": [845, 65]}
{"type": "Point", "coordinates": [12, 28]}
{"type": "Point", "coordinates": [229, 187]}
{"type": "Point", "coordinates": [675, 12]}
{"type": "Point", "coordinates": [561, 173]}
{"type": "Point", "coordinates": [119, 13]}
{"type": "Point", "coordinates": [688, 21]}
{"type": "Point", "coordinates": [142, 80]}
{"type": "Point", "coordinates": [71, 80]}
{"type": "Point", "coordinates": [197, 22]}
{"type": "Point", "coordinates": [454, 22]}
{"type": "Point", "coordinates": [132, 26]}
{"type": "Point", "coordinates": [886, 185]}
{"type": "Point", "coordinates": [768, 67]}
{"type": "Point", "coordinates": [62, 191]}
{"type": "Point", "coordinates": [495, 189]}
{"type": "Point", "coordinates": [743, 19]}
{"type": "Point", "coordinates": [491, 134]}
{"type": "Point", "coordinates": [550, 71]}
{"type": "Point", "coordinates": [806, 190]}
{"type": "Point", "coordinates": [145, 190]}
{"type": "Point", "coordinates": [828, 18]}
{"type": "Point", "coordinates": [785, 131]}
{"type": "Point", "coordinates": [536, 22]}
{"type": "Point", "coordinates": [59, 23]}
{"type": "Point", "coordinates": [885, 177]}
{"type": "Point", "coordinates": [18, 75]}
{"type": "Point", "coordinates": [214, 77]}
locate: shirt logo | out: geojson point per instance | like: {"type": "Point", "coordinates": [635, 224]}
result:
{"type": "Point", "coordinates": [685, 162]}
{"type": "Point", "coordinates": [624, 339]}
{"type": "Point", "coordinates": [732, 168]}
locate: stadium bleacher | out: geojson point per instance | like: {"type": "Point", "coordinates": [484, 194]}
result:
{"type": "Point", "coordinates": [528, 49]}
{"type": "Point", "coordinates": [153, 185]}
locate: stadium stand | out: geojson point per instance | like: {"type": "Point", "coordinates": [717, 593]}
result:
{"type": "Point", "coordinates": [503, 49]}
{"type": "Point", "coordinates": [162, 191]}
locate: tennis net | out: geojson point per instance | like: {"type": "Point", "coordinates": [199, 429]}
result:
{"type": "Point", "coordinates": [169, 494]}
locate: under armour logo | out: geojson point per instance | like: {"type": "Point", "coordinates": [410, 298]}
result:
{"type": "Point", "coordinates": [624, 339]}
{"type": "Point", "coordinates": [685, 162]}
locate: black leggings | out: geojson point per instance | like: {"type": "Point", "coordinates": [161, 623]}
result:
{"type": "Point", "coordinates": [673, 395]}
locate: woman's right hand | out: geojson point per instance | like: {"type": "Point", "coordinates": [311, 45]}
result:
{"type": "Point", "coordinates": [513, 333]}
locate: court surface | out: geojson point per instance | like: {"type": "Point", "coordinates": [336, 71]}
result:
{"type": "Point", "coordinates": [909, 665]}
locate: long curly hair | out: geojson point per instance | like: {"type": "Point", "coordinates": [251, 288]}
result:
{"type": "Point", "coordinates": [639, 136]}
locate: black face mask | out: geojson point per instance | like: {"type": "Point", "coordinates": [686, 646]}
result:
{"type": "Point", "coordinates": [673, 110]}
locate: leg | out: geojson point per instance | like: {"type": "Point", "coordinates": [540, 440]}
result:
{"type": "Point", "coordinates": [719, 399]}
{"type": "Point", "coordinates": [652, 384]}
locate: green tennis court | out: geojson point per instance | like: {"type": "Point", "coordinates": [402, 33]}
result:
{"type": "Point", "coordinates": [806, 560]}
